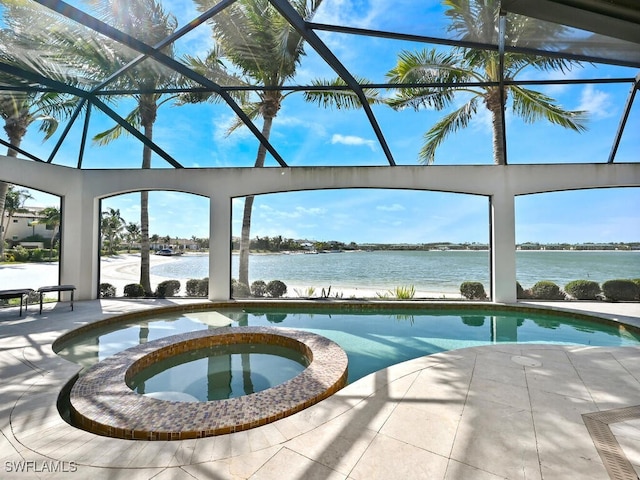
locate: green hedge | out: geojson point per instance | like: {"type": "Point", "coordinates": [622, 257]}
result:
{"type": "Point", "coordinates": [547, 290]}
{"type": "Point", "coordinates": [621, 290]}
{"type": "Point", "coordinates": [133, 290]}
{"type": "Point", "coordinates": [583, 289]}
{"type": "Point", "coordinates": [198, 287]}
{"type": "Point", "coordinates": [168, 288]}
{"type": "Point", "coordinates": [107, 290]}
{"type": "Point", "coordinates": [473, 291]}
{"type": "Point", "coordinates": [276, 288]}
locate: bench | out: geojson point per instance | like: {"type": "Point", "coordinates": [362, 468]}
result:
{"type": "Point", "coordinates": [21, 293]}
{"type": "Point", "coordinates": [56, 288]}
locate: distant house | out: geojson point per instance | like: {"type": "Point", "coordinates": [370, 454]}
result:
{"type": "Point", "coordinates": [25, 225]}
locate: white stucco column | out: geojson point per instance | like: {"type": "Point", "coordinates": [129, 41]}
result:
{"type": "Point", "coordinates": [503, 251]}
{"type": "Point", "coordinates": [220, 248]}
{"type": "Point", "coordinates": [79, 246]}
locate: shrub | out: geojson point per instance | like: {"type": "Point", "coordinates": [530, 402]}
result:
{"type": "Point", "coordinates": [620, 290]}
{"type": "Point", "coordinates": [546, 290]}
{"type": "Point", "coordinates": [191, 288]}
{"type": "Point", "coordinates": [308, 292]}
{"type": "Point", "coordinates": [107, 290]}
{"type": "Point", "coordinates": [473, 291]}
{"type": "Point", "coordinates": [403, 293]}
{"type": "Point", "coordinates": [21, 254]}
{"type": "Point", "coordinates": [521, 292]}
{"type": "Point", "coordinates": [583, 289]}
{"type": "Point", "coordinates": [37, 255]}
{"type": "Point", "coordinates": [198, 288]}
{"type": "Point", "coordinates": [168, 288]}
{"type": "Point", "coordinates": [133, 290]}
{"type": "Point", "coordinates": [239, 289]}
{"type": "Point", "coordinates": [637, 282]}
{"type": "Point", "coordinates": [259, 288]}
{"type": "Point", "coordinates": [276, 288]}
{"type": "Point", "coordinates": [33, 297]}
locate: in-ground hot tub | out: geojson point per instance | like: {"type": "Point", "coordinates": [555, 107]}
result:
{"type": "Point", "coordinates": [102, 402]}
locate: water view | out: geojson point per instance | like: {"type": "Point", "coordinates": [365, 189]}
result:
{"type": "Point", "coordinates": [434, 271]}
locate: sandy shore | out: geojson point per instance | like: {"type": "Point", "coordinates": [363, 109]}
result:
{"type": "Point", "coordinates": [119, 271]}
{"type": "Point", "coordinates": [124, 269]}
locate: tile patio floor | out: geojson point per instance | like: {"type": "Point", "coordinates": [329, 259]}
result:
{"type": "Point", "coordinates": [497, 412]}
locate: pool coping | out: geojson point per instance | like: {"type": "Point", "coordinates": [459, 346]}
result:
{"type": "Point", "coordinates": [102, 402]}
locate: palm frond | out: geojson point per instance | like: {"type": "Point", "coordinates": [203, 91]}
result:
{"type": "Point", "coordinates": [532, 106]}
{"type": "Point", "coordinates": [473, 20]}
{"type": "Point", "coordinates": [428, 67]}
{"type": "Point", "coordinates": [340, 99]}
{"type": "Point", "coordinates": [48, 126]}
{"type": "Point", "coordinates": [251, 110]}
{"type": "Point", "coordinates": [448, 124]}
{"type": "Point", "coordinates": [213, 68]}
{"type": "Point", "coordinates": [115, 132]}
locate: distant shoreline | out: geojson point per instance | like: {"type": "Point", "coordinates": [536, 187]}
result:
{"type": "Point", "coordinates": [124, 269]}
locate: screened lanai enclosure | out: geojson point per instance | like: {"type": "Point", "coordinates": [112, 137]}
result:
{"type": "Point", "coordinates": [233, 99]}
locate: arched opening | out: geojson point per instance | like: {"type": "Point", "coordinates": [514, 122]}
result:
{"type": "Point", "coordinates": [31, 238]}
{"type": "Point", "coordinates": [392, 243]}
{"type": "Point", "coordinates": [577, 235]}
{"type": "Point", "coordinates": [178, 228]}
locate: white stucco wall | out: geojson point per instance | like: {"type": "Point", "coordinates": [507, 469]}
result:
{"type": "Point", "coordinates": [81, 191]}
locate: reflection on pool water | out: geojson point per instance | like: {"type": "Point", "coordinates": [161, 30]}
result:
{"type": "Point", "coordinates": [373, 339]}
{"type": "Point", "coordinates": [219, 372]}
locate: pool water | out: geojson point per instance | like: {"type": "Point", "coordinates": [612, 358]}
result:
{"type": "Point", "coordinates": [219, 372]}
{"type": "Point", "coordinates": [373, 339]}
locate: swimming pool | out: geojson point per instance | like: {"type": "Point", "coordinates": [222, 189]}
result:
{"type": "Point", "coordinates": [372, 337]}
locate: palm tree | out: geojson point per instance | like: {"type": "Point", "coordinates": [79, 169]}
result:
{"type": "Point", "coordinates": [133, 234]}
{"type": "Point", "coordinates": [14, 203]}
{"type": "Point", "coordinates": [19, 110]}
{"type": "Point", "coordinates": [148, 22]}
{"type": "Point", "coordinates": [267, 50]}
{"type": "Point", "coordinates": [112, 225]}
{"type": "Point", "coordinates": [52, 220]}
{"type": "Point", "coordinates": [476, 20]}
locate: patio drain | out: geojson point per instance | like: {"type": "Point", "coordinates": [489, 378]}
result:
{"type": "Point", "coordinates": [615, 461]}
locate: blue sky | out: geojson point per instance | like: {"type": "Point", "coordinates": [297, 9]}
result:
{"type": "Point", "coordinates": [307, 135]}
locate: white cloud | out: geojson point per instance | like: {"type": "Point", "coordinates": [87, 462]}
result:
{"type": "Point", "coordinates": [343, 13]}
{"type": "Point", "coordinates": [396, 207]}
{"type": "Point", "coordinates": [267, 211]}
{"type": "Point", "coordinates": [596, 102]}
{"type": "Point", "coordinates": [352, 140]}
{"type": "Point", "coordinates": [286, 120]}
{"type": "Point", "coordinates": [221, 124]}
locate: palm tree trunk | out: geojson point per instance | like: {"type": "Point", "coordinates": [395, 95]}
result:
{"type": "Point", "coordinates": [144, 221]}
{"type": "Point", "coordinates": [14, 139]}
{"type": "Point", "coordinates": [245, 236]}
{"type": "Point", "coordinates": [4, 188]}
{"type": "Point", "coordinates": [243, 271]}
{"type": "Point", "coordinates": [494, 104]}
{"type": "Point", "coordinates": [145, 260]}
